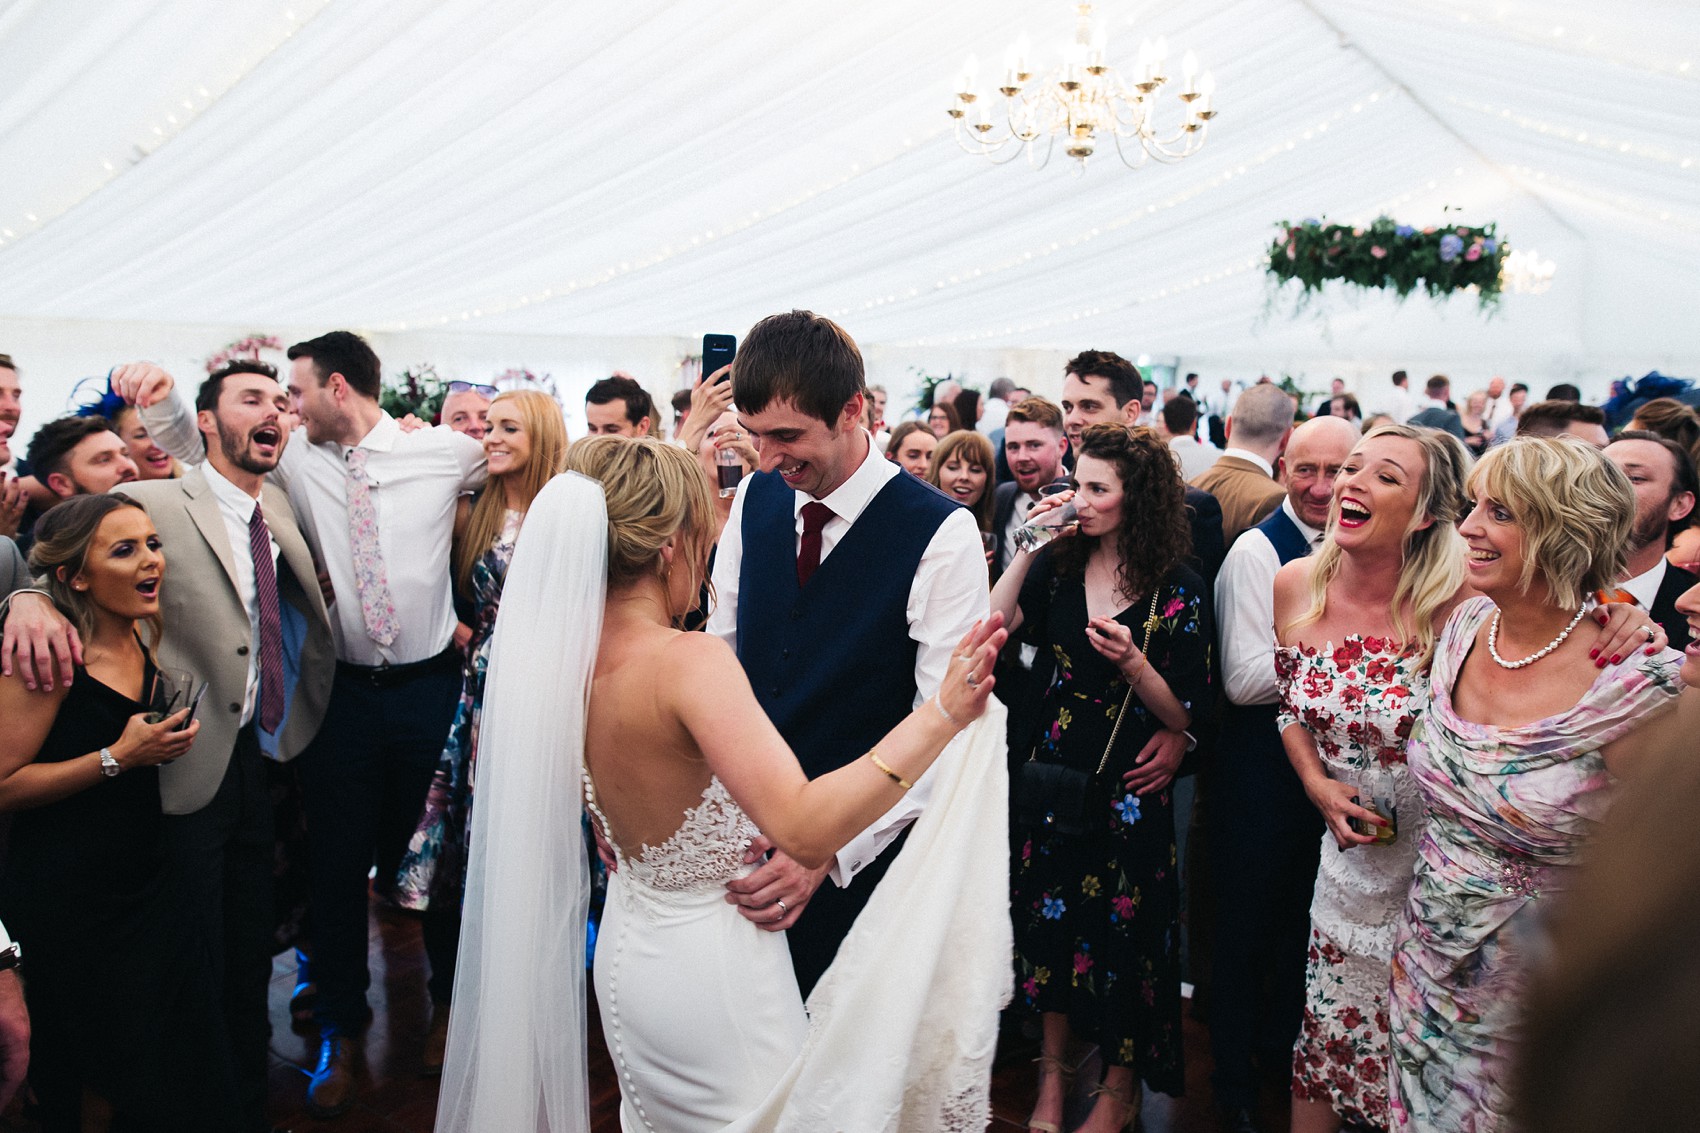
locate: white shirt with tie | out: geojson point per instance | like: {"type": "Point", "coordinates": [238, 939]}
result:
{"type": "Point", "coordinates": [417, 479]}
{"type": "Point", "coordinates": [1245, 612]}
{"type": "Point", "coordinates": [236, 508]}
{"type": "Point", "coordinates": [949, 594]}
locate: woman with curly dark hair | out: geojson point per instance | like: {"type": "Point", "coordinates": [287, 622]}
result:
{"type": "Point", "coordinates": [1093, 890]}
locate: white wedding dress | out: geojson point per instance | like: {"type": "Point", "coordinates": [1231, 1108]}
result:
{"type": "Point", "coordinates": [700, 1007]}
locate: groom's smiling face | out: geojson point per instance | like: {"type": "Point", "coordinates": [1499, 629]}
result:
{"type": "Point", "coordinates": [810, 455]}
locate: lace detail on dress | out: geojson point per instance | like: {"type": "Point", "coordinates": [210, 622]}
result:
{"type": "Point", "coordinates": [706, 850]}
{"type": "Point", "coordinates": [1358, 700]}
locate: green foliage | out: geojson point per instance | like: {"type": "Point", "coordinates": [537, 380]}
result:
{"type": "Point", "coordinates": [1390, 256]}
{"type": "Point", "coordinates": [416, 390]}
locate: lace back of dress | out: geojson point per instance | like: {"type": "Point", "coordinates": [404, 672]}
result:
{"type": "Point", "coordinates": [706, 850]}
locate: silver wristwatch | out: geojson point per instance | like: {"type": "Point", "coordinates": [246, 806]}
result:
{"type": "Point", "coordinates": [109, 766]}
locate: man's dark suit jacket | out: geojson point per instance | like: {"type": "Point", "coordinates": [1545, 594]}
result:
{"type": "Point", "coordinates": [1445, 420]}
{"type": "Point", "coordinates": [1664, 609]}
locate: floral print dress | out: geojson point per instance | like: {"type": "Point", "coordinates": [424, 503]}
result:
{"type": "Point", "coordinates": [1097, 933]}
{"type": "Point", "coordinates": [1359, 701]}
{"type": "Point", "coordinates": [434, 868]}
{"type": "Point", "coordinates": [1509, 810]}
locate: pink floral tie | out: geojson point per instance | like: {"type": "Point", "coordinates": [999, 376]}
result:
{"type": "Point", "coordinates": [376, 606]}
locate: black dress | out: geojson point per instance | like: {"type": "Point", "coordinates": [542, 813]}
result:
{"type": "Point", "coordinates": [118, 971]}
{"type": "Point", "coordinates": [1096, 915]}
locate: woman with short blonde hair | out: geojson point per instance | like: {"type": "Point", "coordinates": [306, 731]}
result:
{"type": "Point", "coordinates": [1515, 757]}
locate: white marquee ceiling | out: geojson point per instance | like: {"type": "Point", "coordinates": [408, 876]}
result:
{"type": "Point", "coordinates": [666, 168]}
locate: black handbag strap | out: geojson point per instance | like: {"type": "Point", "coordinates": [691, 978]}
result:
{"type": "Point", "coordinates": [1150, 623]}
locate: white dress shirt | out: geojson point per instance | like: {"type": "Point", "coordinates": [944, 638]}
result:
{"type": "Point", "coordinates": [236, 507]}
{"type": "Point", "coordinates": [1245, 613]}
{"type": "Point", "coordinates": [949, 594]}
{"type": "Point", "coordinates": [1645, 586]}
{"type": "Point", "coordinates": [1193, 455]}
{"type": "Point", "coordinates": [1251, 457]}
{"type": "Point", "coordinates": [416, 477]}
{"type": "Point", "coordinates": [1016, 521]}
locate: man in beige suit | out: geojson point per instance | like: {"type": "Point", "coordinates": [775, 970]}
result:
{"type": "Point", "coordinates": [1243, 477]}
{"type": "Point", "coordinates": [242, 612]}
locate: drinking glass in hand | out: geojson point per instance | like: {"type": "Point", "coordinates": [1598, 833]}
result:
{"type": "Point", "coordinates": [729, 468]}
{"type": "Point", "coordinates": [172, 690]}
{"type": "Point", "coordinates": [1040, 530]}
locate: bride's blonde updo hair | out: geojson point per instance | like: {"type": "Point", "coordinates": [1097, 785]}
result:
{"type": "Point", "coordinates": [654, 491]}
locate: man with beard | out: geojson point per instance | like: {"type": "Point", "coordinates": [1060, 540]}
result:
{"type": "Point", "coordinates": [1662, 474]}
{"type": "Point", "coordinates": [1033, 446]}
{"type": "Point", "coordinates": [243, 613]}
{"type": "Point", "coordinates": [377, 506]}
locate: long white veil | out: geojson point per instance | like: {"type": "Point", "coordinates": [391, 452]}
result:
{"type": "Point", "coordinates": [516, 1053]}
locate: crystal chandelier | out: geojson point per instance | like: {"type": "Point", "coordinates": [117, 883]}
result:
{"type": "Point", "coordinates": [1526, 272]}
{"type": "Point", "coordinates": [1084, 102]}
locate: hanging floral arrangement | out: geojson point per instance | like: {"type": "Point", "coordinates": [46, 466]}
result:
{"type": "Point", "coordinates": [1390, 256]}
{"type": "Point", "coordinates": [249, 347]}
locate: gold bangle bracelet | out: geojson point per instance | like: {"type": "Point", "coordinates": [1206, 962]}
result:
{"type": "Point", "coordinates": [874, 755]}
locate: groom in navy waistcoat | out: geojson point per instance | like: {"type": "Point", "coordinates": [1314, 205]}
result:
{"type": "Point", "coordinates": [843, 583]}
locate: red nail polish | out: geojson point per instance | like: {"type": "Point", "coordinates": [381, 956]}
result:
{"type": "Point", "coordinates": [1615, 659]}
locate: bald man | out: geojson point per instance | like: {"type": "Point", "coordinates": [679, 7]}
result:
{"type": "Point", "coordinates": [1264, 834]}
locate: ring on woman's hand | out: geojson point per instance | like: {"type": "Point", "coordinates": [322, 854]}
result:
{"type": "Point", "coordinates": [782, 909]}
{"type": "Point", "coordinates": [973, 681]}
{"type": "Point", "coordinates": [1651, 636]}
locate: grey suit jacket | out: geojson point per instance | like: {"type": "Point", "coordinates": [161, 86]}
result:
{"type": "Point", "coordinates": [208, 633]}
{"type": "Point", "coordinates": [14, 570]}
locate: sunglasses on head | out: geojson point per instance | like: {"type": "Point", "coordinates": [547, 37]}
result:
{"type": "Point", "coordinates": [473, 387]}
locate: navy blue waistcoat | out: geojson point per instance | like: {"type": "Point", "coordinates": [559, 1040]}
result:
{"type": "Point", "coordinates": [1289, 542]}
{"type": "Point", "coordinates": [832, 663]}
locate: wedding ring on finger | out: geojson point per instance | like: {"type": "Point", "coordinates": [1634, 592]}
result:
{"type": "Point", "coordinates": [973, 681]}
{"type": "Point", "coordinates": [782, 910]}
{"type": "Point", "coordinates": [1651, 635]}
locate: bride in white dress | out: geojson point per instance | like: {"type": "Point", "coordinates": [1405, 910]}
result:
{"type": "Point", "coordinates": [594, 695]}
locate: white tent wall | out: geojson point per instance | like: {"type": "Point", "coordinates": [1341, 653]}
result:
{"type": "Point", "coordinates": [612, 180]}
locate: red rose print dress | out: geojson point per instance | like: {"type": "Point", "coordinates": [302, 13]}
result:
{"type": "Point", "coordinates": [1359, 700]}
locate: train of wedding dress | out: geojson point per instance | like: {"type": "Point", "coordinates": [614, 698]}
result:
{"type": "Point", "coordinates": [900, 1032]}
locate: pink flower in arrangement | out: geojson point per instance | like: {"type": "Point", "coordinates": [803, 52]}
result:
{"type": "Point", "coordinates": [1462, 231]}
{"type": "Point", "coordinates": [1377, 251]}
{"type": "Point", "coordinates": [1357, 232]}
{"type": "Point", "coordinates": [1292, 250]}
{"type": "Point", "coordinates": [1429, 231]}
{"type": "Point", "coordinates": [1473, 253]}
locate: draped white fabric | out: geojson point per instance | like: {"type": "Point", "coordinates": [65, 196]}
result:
{"type": "Point", "coordinates": [666, 167]}
{"type": "Point", "coordinates": [517, 1039]}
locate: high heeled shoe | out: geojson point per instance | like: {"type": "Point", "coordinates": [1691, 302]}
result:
{"type": "Point", "coordinates": [1051, 1065]}
{"type": "Point", "coordinates": [1124, 1098]}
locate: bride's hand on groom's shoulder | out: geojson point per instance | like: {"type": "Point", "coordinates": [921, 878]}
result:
{"type": "Point", "coordinates": [968, 682]}
{"type": "Point", "coordinates": [774, 895]}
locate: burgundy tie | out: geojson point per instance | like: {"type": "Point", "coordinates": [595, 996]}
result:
{"type": "Point", "coordinates": [815, 515]}
{"type": "Point", "coordinates": [271, 623]}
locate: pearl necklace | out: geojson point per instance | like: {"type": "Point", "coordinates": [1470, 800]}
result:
{"type": "Point", "coordinates": [1493, 642]}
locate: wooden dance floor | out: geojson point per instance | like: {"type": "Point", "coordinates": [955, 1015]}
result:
{"type": "Point", "coordinates": [395, 1099]}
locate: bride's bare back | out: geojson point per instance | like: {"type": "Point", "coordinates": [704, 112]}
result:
{"type": "Point", "coordinates": [646, 768]}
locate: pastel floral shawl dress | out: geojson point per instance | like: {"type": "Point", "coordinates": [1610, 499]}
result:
{"type": "Point", "coordinates": [1509, 810]}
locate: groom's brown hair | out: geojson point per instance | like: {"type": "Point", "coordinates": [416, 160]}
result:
{"type": "Point", "coordinates": [799, 357]}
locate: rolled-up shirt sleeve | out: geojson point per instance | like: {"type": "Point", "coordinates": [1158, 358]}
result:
{"type": "Point", "coordinates": [950, 593]}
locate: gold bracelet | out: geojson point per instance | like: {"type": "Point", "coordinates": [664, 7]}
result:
{"type": "Point", "coordinates": [1143, 662]}
{"type": "Point", "coordinates": [874, 755]}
